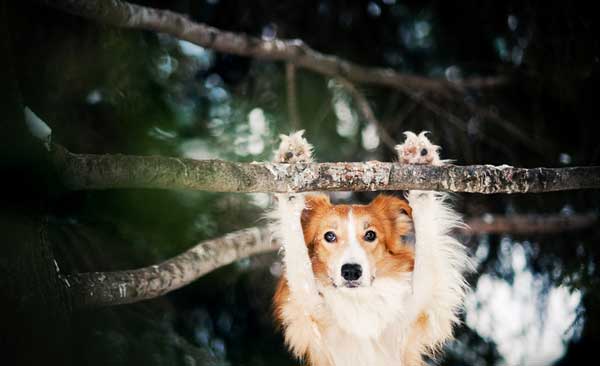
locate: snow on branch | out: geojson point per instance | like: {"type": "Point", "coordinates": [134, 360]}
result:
{"type": "Point", "coordinates": [126, 15]}
{"type": "Point", "coordinates": [87, 171]}
{"type": "Point", "coordinates": [124, 287]}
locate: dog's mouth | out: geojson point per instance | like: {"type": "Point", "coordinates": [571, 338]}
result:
{"type": "Point", "coordinates": [345, 284]}
{"type": "Point", "coordinates": [351, 284]}
{"type": "Point", "coordinates": [355, 284]}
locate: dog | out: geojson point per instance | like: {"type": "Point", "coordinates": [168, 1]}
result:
{"type": "Point", "coordinates": [377, 284]}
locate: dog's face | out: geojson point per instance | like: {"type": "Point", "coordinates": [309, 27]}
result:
{"type": "Point", "coordinates": [352, 245]}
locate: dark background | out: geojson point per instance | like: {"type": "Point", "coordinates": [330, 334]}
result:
{"type": "Point", "coordinates": [107, 90]}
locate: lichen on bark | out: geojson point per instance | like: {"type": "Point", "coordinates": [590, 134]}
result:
{"type": "Point", "coordinates": [86, 171]}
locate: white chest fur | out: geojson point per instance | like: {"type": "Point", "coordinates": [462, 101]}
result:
{"type": "Point", "coordinates": [368, 323]}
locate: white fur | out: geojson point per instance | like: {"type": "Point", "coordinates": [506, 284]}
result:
{"type": "Point", "coordinates": [366, 311]}
{"type": "Point", "coordinates": [354, 253]}
{"type": "Point", "coordinates": [409, 152]}
{"type": "Point", "coordinates": [297, 265]}
{"type": "Point", "coordinates": [286, 217]}
{"type": "Point", "coordinates": [294, 149]}
{"type": "Point", "coordinates": [370, 325]}
{"type": "Point", "coordinates": [440, 261]}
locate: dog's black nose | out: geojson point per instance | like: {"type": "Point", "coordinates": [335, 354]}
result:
{"type": "Point", "coordinates": [351, 271]}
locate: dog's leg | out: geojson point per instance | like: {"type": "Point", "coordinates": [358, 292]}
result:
{"type": "Point", "coordinates": [440, 260]}
{"type": "Point", "coordinates": [298, 304]}
{"type": "Point", "coordinates": [298, 270]}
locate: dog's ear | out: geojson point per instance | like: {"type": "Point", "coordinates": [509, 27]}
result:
{"type": "Point", "coordinates": [316, 207]}
{"type": "Point", "coordinates": [391, 206]}
{"type": "Point", "coordinates": [397, 214]}
{"type": "Point", "coordinates": [316, 201]}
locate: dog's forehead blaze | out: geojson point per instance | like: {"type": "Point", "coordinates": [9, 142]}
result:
{"type": "Point", "coordinates": [387, 215]}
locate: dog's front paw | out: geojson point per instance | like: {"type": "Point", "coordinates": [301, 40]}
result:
{"type": "Point", "coordinates": [417, 149]}
{"type": "Point", "coordinates": [294, 149]}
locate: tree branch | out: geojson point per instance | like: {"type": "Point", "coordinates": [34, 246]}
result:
{"type": "Point", "coordinates": [519, 224]}
{"type": "Point", "coordinates": [367, 112]}
{"type": "Point", "coordinates": [292, 51]}
{"type": "Point", "coordinates": [292, 99]}
{"type": "Point", "coordinates": [127, 15]}
{"type": "Point", "coordinates": [124, 287]}
{"type": "Point", "coordinates": [87, 171]}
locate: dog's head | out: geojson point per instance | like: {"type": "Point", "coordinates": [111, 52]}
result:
{"type": "Point", "coordinates": [352, 245]}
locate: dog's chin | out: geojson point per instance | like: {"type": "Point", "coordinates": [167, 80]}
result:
{"type": "Point", "coordinates": [348, 284]}
{"type": "Point", "coordinates": [357, 284]}
{"type": "Point", "coordinates": [345, 284]}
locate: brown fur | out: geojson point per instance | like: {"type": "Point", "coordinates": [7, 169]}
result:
{"type": "Point", "coordinates": [388, 216]}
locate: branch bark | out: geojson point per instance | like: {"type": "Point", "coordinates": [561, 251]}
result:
{"type": "Point", "coordinates": [87, 171]}
{"type": "Point", "coordinates": [127, 15]}
{"type": "Point", "coordinates": [124, 287]}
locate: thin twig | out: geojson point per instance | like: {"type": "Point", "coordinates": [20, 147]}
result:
{"type": "Point", "coordinates": [365, 110]}
{"type": "Point", "coordinates": [508, 127]}
{"type": "Point", "coordinates": [292, 98]}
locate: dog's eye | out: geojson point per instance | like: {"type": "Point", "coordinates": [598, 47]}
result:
{"type": "Point", "coordinates": [330, 237]}
{"type": "Point", "coordinates": [370, 235]}
{"type": "Point", "coordinates": [423, 152]}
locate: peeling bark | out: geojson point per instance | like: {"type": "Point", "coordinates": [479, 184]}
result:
{"type": "Point", "coordinates": [124, 287]}
{"type": "Point", "coordinates": [127, 15]}
{"type": "Point", "coordinates": [86, 171]}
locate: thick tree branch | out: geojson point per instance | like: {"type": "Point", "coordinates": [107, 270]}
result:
{"type": "Point", "coordinates": [86, 171]}
{"type": "Point", "coordinates": [126, 15]}
{"type": "Point", "coordinates": [123, 287]}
